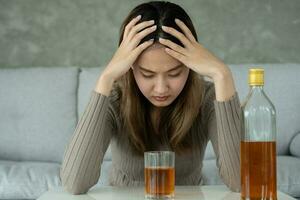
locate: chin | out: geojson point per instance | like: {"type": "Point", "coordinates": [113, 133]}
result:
{"type": "Point", "coordinates": [162, 103]}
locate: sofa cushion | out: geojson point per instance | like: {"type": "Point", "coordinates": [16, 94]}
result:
{"type": "Point", "coordinates": [87, 81]}
{"type": "Point", "coordinates": [288, 176]}
{"type": "Point", "coordinates": [104, 174]}
{"type": "Point", "coordinates": [210, 175]}
{"type": "Point", "coordinates": [295, 146]}
{"type": "Point", "coordinates": [27, 180]}
{"type": "Point", "coordinates": [209, 151]}
{"type": "Point", "coordinates": [38, 112]}
{"type": "Point", "coordinates": [280, 86]}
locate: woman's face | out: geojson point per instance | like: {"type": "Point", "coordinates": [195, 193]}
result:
{"type": "Point", "coordinates": [159, 76]}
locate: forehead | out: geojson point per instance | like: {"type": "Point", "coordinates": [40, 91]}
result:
{"type": "Point", "coordinates": [156, 59]}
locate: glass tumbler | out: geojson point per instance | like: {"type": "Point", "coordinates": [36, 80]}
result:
{"type": "Point", "coordinates": [159, 174]}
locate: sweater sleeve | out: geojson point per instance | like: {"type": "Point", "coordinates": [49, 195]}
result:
{"type": "Point", "coordinates": [224, 130]}
{"type": "Point", "coordinates": [83, 156]}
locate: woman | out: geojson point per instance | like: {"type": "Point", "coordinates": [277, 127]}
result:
{"type": "Point", "coordinates": [152, 96]}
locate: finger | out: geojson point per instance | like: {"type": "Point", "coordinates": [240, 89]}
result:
{"type": "Point", "coordinates": [139, 27]}
{"type": "Point", "coordinates": [138, 37]}
{"type": "Point", "coordinates": [186, 30]}
{"type": "Point", "coordinates": [177, 34]}
{"type": "Point", "coordinates": [176, 55]}
{"type": "Point", "coordinates": [130, 24]}
{"type": "Point", "coordinates": [138, 50]}
{"type": "Point", "coordinates": [172, 45]}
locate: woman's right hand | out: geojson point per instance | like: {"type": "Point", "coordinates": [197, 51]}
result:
{"type": "Point", "coordinates": [126, 54]}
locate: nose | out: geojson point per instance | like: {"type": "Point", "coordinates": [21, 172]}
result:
{"type": "Point", "coordinates": [161, 86]}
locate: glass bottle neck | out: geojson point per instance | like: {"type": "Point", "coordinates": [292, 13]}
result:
{"type": "Point", "coordinates": [256, 88]}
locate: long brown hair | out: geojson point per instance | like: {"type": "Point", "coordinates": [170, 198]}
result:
{"type": "Point", "coordinates": [176, 119]}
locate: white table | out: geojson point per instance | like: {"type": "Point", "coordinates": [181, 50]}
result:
{"type": "Point", "coordinates": [218, 192]}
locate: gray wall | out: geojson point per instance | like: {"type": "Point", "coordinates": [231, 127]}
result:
{"type": "Point", "coordinates": [85, 32]}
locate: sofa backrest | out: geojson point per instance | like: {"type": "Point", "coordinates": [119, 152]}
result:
{"type": "Point", "coordinates": [282, 86]}
{"type": "Point", "coordinates": [38, 112]}
{"type": "Point", "coordinates": [283, 89]}
{"type": "Point", "coordinates": [29, 130]}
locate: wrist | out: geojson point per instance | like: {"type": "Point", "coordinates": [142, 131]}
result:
{"type": "Point", "coordinates": [224, 85]}
{"type": "Point", "coordinates": [221, 74]}
{"type": "Point", "coordinates": [104, 84]}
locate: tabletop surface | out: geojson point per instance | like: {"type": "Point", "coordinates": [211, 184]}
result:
{"type": "Point", "coordinates": [211, 192]}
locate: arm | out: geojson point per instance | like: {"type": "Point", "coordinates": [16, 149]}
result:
{"type": "Point", "coordinates": [223, 105]}
{"type": "Point", "coordinates": [83, 157]}
{"type": "Point", "coordinates": [224, 130]}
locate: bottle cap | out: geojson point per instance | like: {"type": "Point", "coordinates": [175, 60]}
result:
{"type": "Point", "coordinates": [256, 76]}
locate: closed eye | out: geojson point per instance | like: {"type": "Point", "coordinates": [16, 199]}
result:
{"type": "Point", "coordinates": [152, 75]}
{"type": "Point", "coordinates": [175, 75]}
{"type": "Point", "coordinates": [147, 76]}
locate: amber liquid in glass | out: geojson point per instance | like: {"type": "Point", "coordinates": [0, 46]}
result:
{"type": "Point", "coordinates": [258, 171]}
{"type": "Point", "coordinates": [160, 181]}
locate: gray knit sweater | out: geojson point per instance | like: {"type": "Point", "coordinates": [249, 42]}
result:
{"type": "Point", "coordinates": [100, 126]}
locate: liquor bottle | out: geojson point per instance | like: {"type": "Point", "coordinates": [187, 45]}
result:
{"type": "Point", "coordinates": [258, 144]}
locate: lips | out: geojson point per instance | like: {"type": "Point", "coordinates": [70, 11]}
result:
{"type": "Point", "coordinates": [161, 98]}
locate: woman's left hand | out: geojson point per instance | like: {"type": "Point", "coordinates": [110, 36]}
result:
{"type": "Point", "coordinates": [193, 55]}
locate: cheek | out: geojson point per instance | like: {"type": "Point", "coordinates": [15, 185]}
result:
{"type": "Point", "coordinates": [144, 86]}
{"type": "Point", "coordinates": [178, 84]}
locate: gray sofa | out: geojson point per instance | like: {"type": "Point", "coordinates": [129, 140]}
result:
{"type": "Point", "coordinates": [41, 106]}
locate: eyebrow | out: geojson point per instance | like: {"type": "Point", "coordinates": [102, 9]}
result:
{"type": "Point", "coordinates": [173, 69]}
